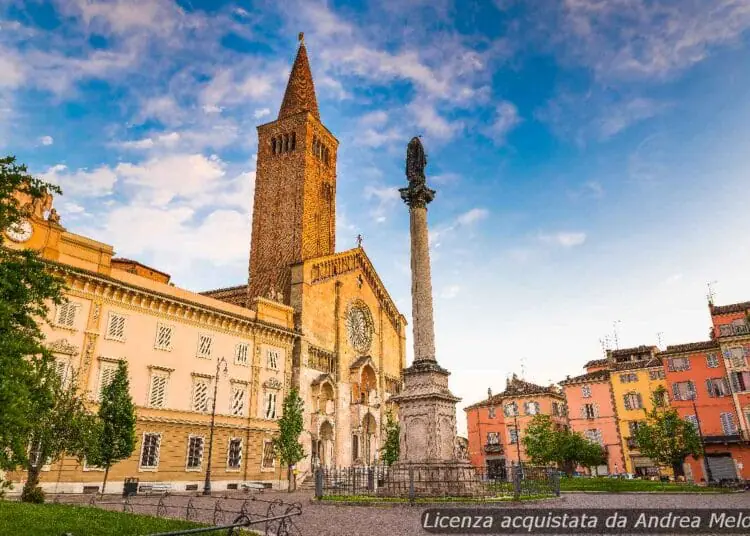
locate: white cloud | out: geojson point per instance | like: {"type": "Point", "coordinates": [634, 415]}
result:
{"type": "Point", "coordinates": [564, 239]}
{"type": "Point", "coordinates": [212, 109]}
{"type": "Point", "coordinates": [167, 140]}
{"type": "Point", "coordinates": [641, 39]}
{"type": "Point", "coordinates": [506, 119]}
{"type": "Point", "coordinates": [46, 140]}
{"type": "Point", "coordinates": [158, 181]}
{"type": "Point", "coordinates": [387, 197]}
{"type": "Point", "coordinates": [11, 69]}
{"type": "Point", "coordinates": [261, 112]}
{"type": "Point", "coordinates": [82, 183]}
{"type": "Point", "coordinates": [472, 216]}
{"type": "Point", "coordinates": [431, 122]}
{"type": "Point", "coordinates": [376, 118]}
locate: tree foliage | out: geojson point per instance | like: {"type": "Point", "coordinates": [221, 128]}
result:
{"type": "Point", "coordinates": [286, 445]}
{"type": "Point", "coordinates": [392, 433]}
{"type": "Point", "coordinates": [40, 413]}
{"type": "Point", "coordinates": [665, 437]}
{"type": "Point", "coordinates": [115, 432]}
{"type": "Point", "coordinates": [544, 444]}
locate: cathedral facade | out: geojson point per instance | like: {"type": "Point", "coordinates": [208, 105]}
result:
{"type": "Point", "coordinates": [350, 350]}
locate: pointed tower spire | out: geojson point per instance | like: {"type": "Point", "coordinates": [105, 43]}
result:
{"type": "Point", "coordinates": [300, 90]}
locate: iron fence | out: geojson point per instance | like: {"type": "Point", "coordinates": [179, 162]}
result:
{"type": "Point", "coordinates": [421, 482]}
{"type": "Point", "coordinates": [227, 513]}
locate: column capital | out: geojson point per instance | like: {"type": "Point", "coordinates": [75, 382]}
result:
{"type": "Point", "coordinates": [417, 195]}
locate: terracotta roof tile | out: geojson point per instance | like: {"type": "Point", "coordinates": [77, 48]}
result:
{"type": "Point", "coordinates": [731, 308]}
{"type": "Point", "coordinates": [692, 347]}
{"type": "Point", "coordinates": [599, 375]}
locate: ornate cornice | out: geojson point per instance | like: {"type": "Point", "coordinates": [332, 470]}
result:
{"type": "Point", "coordinates": [62, 346]}
{"type": "Point", "coordinates": [273, 383]}
{"type": "Point", "coordinates": [87, 284]}
{"type": "Point", "coordinates": [349, 261]}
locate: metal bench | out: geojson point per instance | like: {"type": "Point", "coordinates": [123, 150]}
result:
{"type": "Point", "coordinates": [155, 487]}
{"type": "Point", "coordinates": [254, 486]}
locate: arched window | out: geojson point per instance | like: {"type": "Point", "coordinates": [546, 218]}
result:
{"type": "Point", "coordinates": [286, 143]}
{"type": "Point", "coordinates": [294, 141]}
{"type": "Point", "coordinates": [273, 145]}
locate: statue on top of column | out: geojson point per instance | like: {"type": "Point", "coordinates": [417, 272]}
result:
{"type": "Point", "coordinates": [416, 161]}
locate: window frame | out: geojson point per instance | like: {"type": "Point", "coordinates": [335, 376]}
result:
{"type": "Point", "coordinates": [276, 352]}
{"type": "Point", "coordinates": [109, 366]}
{"type": "Point", "coordinates": [264, 468]}
{"type": "Point", "coordinates": [210, 338]}
{"type": "Point", "coordinates": [235, 386]}
{"type": "Point", "coordinates": [229, 454]}
{"type": "Point", "coordinates": [246, 361]}
{"type": "Point", "coordinates": [199, 467]}
{"type": "Point", "coordinates": [155, 467]}
{"type": "Point", "coordinates": [75, 306]}
{"type": "Point", "coordinates": [107, 333]}
{"type": "Point", "coordinates": [197, 381]}
{"type": "Point", "coordinates": [170, 345]}
{"type": "Point", "coordinates": [158, 374]}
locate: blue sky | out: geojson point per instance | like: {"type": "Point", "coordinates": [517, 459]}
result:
{"type": "Point", "coordinates": [591, 157]}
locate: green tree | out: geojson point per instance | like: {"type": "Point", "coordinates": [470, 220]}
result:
{"type": "Point", "coordinates": [545, 443]}
{"type": "Point", "coordinates": [41, 414]}
{"type": "Point", "coordinates": [665, 437]}
{"type": "Point", "coordinates": [115, 433]}
{"type": "Point", "coordinates": [286, 445]}
{"type": "Point", "coordinates": [392, 433]}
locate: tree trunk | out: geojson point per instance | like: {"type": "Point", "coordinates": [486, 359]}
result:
{"type": "Point", "coordinates": [290, 477]}
{"type": "Point", "coordinates": [106, 473]}
{"type": "Point", "coordinates": [32, 481]}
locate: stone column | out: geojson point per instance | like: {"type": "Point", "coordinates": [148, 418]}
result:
{"type": "Point", "coordinates": [421, 284]}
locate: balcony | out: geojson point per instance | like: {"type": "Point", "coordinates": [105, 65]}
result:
{"type": "Point", "coordinates": [493, 448]}
{"type": "Point", "coordinates": [739, 437]}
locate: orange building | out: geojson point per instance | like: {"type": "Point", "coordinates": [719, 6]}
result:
{"type": "Point", "coordinates": [497, 425]}
{"type": "Point", "coordinates": [592, 412]}
{"type": "Point", "coordinates": [699, 389]}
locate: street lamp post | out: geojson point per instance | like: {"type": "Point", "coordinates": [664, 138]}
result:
{"type": "Point", "coordinates": [700, 435]}
{"type": "Point", "coordinates": [207, 483]}
{"type": "Point", "coordinates": [518, 435]}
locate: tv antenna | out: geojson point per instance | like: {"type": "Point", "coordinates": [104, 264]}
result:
{"type": "Point", "coordinates": [658, 338]}
{"type": "Point", "coordinates": [523, 368]}
{"type": "Point", "coordinates": [711, 292]}
{"type": "Point", "coordinates": [614, 329]}
{"type": "Point", "coordinates": [605, 344]}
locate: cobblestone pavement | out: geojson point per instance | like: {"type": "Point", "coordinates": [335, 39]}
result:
{"type": "Point", "coordinates": [396, 520]}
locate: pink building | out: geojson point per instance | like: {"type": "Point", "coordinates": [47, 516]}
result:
{"type": "Point", "coordinates": [591, 411]}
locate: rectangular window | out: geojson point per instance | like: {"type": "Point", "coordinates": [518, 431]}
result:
{"type": "Point", "coordinates": [491, 412]}
{"type": "Point", "coordinates": [267, 462]}
{"type": "Point", "coordinates": [683, 390]}
{"type": "Point", "coordinates": [241, 354]}
{"type": "Point", "coordinates": [204, 346]}
{"type": "Point", "coordinates": [511, 409]}
{"type": "Point", "coordinates": [234, 454]}
{"type": "Point", "coordinates": [595, 436]}
{"type": "Point", "coordinates": [633, 401]}
{"type": "Point", "coordinates": [736, 357]}
{"type": "Point", "coordinates": [163, 337]}
{"type": "Point", "coordinates": [61, 369]}
{"type": "Point", "coordinates": [157, 395]}
{"type": "Point", "coordinates": [657, 374]}
{"type": "Point", "coordinates": [272, 359]}
{"type": "Point", "coordinates": [692, 419]}
{"type": "Point", "coordinates": [239, 395]}
{"type": "Point", "coordinates": [513, 435]}
{"type": "Point", "coordinates": [740, 381]}
{"type": "Point", "coordinates": [717, 387]}
{"type": "Point", "coordinates": [150, 451]}
{"type": "Point", "coordinates": [200, 394]}
{"type": "Point", "coordinates": [589, 411]}
{"type": "Point", "coordinates": [116, 327]}
{"type": "Point", "coordinates": [107, 373]}
{"type": "Point", "coordinates": [586, 391]}
{"type": "Point", "coordinates": [712, 360]}
{"type": "Point", "coordinates": [66, 314]}
{"type": "Point", "coordinates": [677, 364]}
{"type": "Point", "coordinates": [493, 438]}
{"type": "Point", "coordinates": [629, 377]}
{"type": "Point", "coordinates": [531, 408]}
{"type": "Point", "coordinates": [195, 453]}
{"type": "Point", "coordinates": [270, 405]}
{"type": "Point", "coordinates": [727, 424]}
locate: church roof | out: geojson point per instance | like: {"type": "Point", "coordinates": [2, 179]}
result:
{"type": "Point", "coordinates": [300, 90]}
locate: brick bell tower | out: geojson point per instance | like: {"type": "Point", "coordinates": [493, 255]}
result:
{"type": "Point", "coordinates": [294, 215]}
